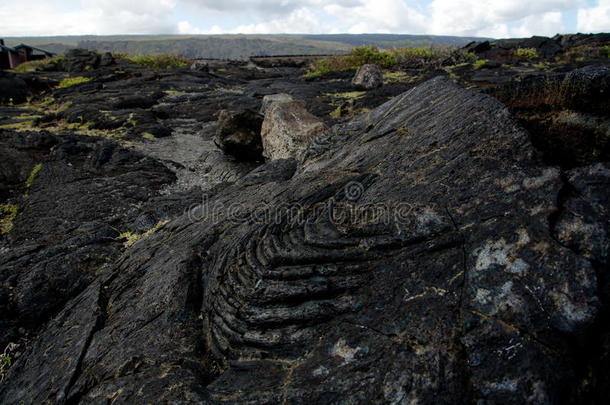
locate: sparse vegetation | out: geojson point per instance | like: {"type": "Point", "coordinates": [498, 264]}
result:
{"type": "Point", "coordinates": [160, 61]}
{"type": "Point", "coordinates": [132, 237]}
{"type": "Point", "coordinates": [525, 54]}
{"type": "Point", "coordinates": [5, 362]}
{"type": "Point", "coordinates": [586, 52]}
{"type": "Point", "coordinates": [8, 213]}
{"type": "Point", "coordinates": [73, 81]}
{"type": "Point", "coordinates": [397, 57]}
{"type": "Point", "coordinates": [348, 94]}
{"type": "Point", "coordinates": [35, 65]}
{"type": "Point", "coordinates": [480, 63]}
{"type": "Point", "coordinates": [32, 176]}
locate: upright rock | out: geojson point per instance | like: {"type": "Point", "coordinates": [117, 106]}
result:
{"type": "Point", "coordinates": [288, 129]}
{"type": "Point", "coordinates": [368, 77]}
{"type": "Point", "coordinates": [274, 98]}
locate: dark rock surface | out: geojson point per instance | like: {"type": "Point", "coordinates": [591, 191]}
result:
{"type": "Point", "coordinates": [81, 60]}
{"type": "Point", "coordinates": [432, 245]}
{"type": "Point", "coordinates": [13, 89]}
{"type": "Point", "coordinates": [239, 134]}
{"type": "Point", "coordinates": [430, 259]}
{"type": "Point", "coordinates": [546, 48]}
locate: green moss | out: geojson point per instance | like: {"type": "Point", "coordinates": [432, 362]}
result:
{"type": "Point", "coordinates": [480, 63]}
{"type": "Point", "coordinates": [348, 95]}
{"type": "Point", "coordinates": [174, 92]}
{"type": "Point", "coordinates": [19, 126]}
{"type": "Point", "coordinates": [132, 121]}
{"type": "Point", "coordinates": [525, 53]}
{"type": "Point", "coordinates": [73, 81]}
{"type": "Point", "coordinates": [8, 213]}
{"type": "Point", "coordinates": [32, 176]}
{"type": "Point", "coordinates": [148, 135]}
{"type": "Point", "coordinates": [393, 77]}
{"type": "Point", "coordinates": [132, 237]}
{"type": "Point", "coordinates": [541, 66]}
{"type": "Point", "coordinates": [336, 113]}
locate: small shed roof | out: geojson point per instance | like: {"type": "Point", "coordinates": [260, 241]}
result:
{"type": "Point", "coordinates": [20, 46]}
{"type": "Point", "coordinates": [5, 48]}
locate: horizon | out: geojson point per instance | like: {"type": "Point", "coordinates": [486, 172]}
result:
{"type": "Point", "coordinates": [465, 18]}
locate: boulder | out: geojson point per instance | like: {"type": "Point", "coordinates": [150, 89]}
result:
{"type": "Point", "coordinates": [239, 134]}
{"type": "Point", "coordinates": [107, 60]}
{"type": "Point", "coordinates": [368, 77]}
{"type": "Point", "coordinates": [80, 60]}
{"type": "Point", "coordinates": [274, 98]}
{"type": "Point", "coordinates": [288, 129]}
{"type": "Point", "coordinates": [200, 66]}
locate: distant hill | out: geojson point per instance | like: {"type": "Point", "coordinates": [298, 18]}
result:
{"type": "Point", "coordinates": [395, 40]}
{"type": "Point", "coordinates": [235, 46]}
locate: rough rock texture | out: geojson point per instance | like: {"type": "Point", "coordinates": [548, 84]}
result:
{"type": "Point", "coordinates": [13, 89]}
{"type": "Point", "coordinates": [200, 66]}
{"type": "Point", "coordinates": [418, 254]}
{"type": "Point", "coordinates": [288, 129]}
{"type": "Point", "coordinates": [274, 98]}
{"type": "Point", "coordinates": [239, 134]}
{"type": "Point", "coordinates": [368, 77]}
{"type": "Point", "coordinates": [83, 194]}
{"type": "Point", "coordinates": [545, 47]}
{"type": "Point", "coordinates": [79, 60]}
{"type": "Point", "coordinates": [567, 114]}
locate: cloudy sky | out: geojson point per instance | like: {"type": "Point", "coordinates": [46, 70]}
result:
{"type": "Point", "coordinates": [493, 18]}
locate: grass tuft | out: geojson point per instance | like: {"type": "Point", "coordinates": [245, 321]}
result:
{"type": "Point", "coordinates": [388, 58]}
{"type": "Point", "coordinates": [132, 237]}
{"type": "Point", "coordinates": [159, 61]}
{"type": "Point", "coordinates": [32, 176]}
{"type": "Point", "coordinates": [525, 54]}
{"type": "Point", "coordinates": [73, 81]}
{"type": "Point", "coordinates": [8, 213]}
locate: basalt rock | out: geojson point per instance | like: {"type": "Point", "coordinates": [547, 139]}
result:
{"type": "Point", "coordinates": [79, 60]}
{"type": "Point", "coordinates": [200, 66]}
{"type": "Point", "coordinates": [288, 129]}
{"type": "Point", "coordinates": [239, 134]}
{"type": "Point", "coordinates": [419, 253]}
{"type": "Point", "coordinates": [274, 98]}
{"type": "Point", "coordinates": [368, 77]}
{"type": "Point", "coordinates": [13, 89]}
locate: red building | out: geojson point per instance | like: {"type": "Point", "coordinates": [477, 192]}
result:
{"type": "Point", "coordinates": [10, 58]}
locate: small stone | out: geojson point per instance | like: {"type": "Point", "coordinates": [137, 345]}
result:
{"type": "Point", "coordinates": [368, 77]}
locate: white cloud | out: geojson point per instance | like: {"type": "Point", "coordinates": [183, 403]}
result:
{"type": "Point", "coordinates": [595, 19]}
{"type": "Point", "coordinates": [300, 21]}
{"type": "Point", "coordinates": [378, 16]}
{"type": "Point", "coordinates": [186, 28]}
{"type": "Point", "coordinates": [491, 17]}
{"type": "Point", "coordinates": [99, 17]}
{"type": "Point", "coordinates": [547, 24]}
